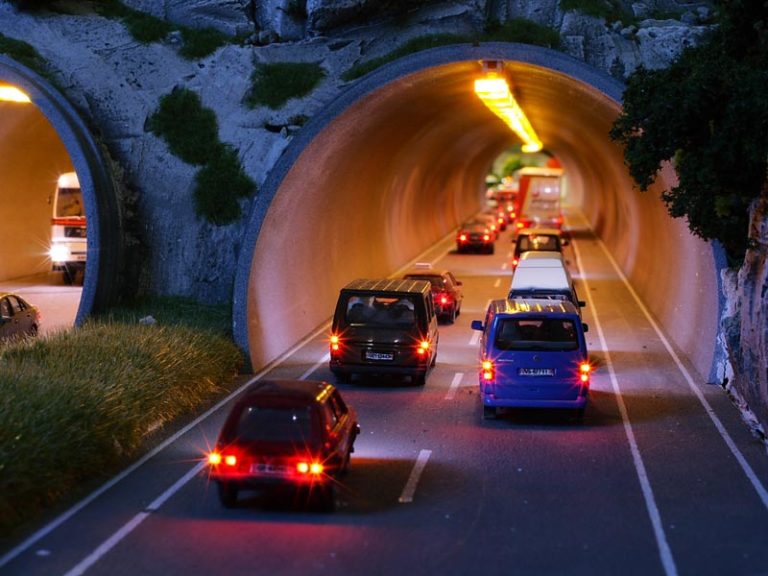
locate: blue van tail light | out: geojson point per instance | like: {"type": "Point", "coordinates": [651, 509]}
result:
{"type": "Point", "coordinates": [488, 373]}
{"type": "Point", "coordinates": [584, 371]}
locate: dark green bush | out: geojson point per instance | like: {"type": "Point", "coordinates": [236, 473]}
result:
{"type": "Point", "coordinates": [410, 47]}
{"type": "Point", "coordinates": [218, 186]}
{"type": "Point", "coordinates": [190, 129]}
{"type": "Point", "coordinates": [201, 42]}
{"type": "Point", "coordinates": [274, 84]}
{"type": "Point", "coordinates": [23, 53]}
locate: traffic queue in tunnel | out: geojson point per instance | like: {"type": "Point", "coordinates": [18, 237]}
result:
{"type": "Point", "coordinates": [300, 435]}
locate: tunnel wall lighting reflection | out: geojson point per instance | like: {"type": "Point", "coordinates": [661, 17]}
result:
{"type": "Point", "coordinates": [494, 91]}
{"type": "Point", "coordinates": [12, 94]}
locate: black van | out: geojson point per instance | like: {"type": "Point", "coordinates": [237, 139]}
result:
{"type": "Point", "coordinates": [384, 327]}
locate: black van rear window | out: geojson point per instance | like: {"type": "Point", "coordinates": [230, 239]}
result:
{"type": "Point", "coordinates": [381, 311]}
{"type": "Point", "coordinates": [536, 334]}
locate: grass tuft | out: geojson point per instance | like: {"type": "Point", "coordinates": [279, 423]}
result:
{"type": "Point", "coordinates": [274, 84]}
{"type": "Point", "coordinates": [78, 405]}
{"type": "Point", "coordinates": [201, 42]}
{"type": "Point", "coordinates": [219, 185]}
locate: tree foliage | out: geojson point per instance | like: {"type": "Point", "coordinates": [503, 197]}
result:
{"type": "Point", "coordinates": [708, 115]}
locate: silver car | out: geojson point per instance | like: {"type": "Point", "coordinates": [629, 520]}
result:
{"type": "Point", "coordinates": [18, 317]}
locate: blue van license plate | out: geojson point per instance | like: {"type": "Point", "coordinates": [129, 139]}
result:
{"type": "Point", "coordinates": [536, 372]}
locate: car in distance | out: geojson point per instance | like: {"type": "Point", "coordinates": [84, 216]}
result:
{"type": "Point", "coordinates": [386, 326]}
{"type": "Point", "coordinates": [537, 239]}
{"type": "Point", "coordinates": [533, 354]}
{"type": "Point", "coordinates": [475, 236]}
{"type": "Point", "coordinates": [18, 318]}
{"type": "Point", "coordinates": [296, 434]}
{"type": "Point", "coordinates": [446, 290]}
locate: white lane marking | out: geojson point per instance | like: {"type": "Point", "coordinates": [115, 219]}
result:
{"type": "Point", "coordinates": [454, 385]}
{"type": "Point", "coordinates": [413, 479]}
{"type": "Point", "coordinates": [748, 471]}
{"type": "Point", "coordinates": [509, 254]}
{"type": "Point", "coordinates": [324, 360]}
{"type": "Point", "coordinates": [475, 338]}
{"type": "Point", "coordinates": [132, 524]}
{"type": "Point", "coordinates": [505, 266]}
{"type": "Point", "coordinates": [50, 527]}
{"type": "Point", "coordinates": [497, 283]}
{"type": "Point", "coordinates": [665, 552]}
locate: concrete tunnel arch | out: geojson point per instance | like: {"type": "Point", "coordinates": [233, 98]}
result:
{"type": "Point", "coordinates": [409, 143]}
{"type": "Point", "coordinates": [398, 160]}
{"type": "Point", "coordinates": [102, 209]}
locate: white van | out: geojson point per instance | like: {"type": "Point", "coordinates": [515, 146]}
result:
{"type": "Point", "coordinates": [543, 275]}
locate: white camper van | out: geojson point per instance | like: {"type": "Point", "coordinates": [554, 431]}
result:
{"type": "Point", "coordinates": [68, 230]}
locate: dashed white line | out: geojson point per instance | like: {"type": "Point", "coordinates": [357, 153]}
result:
{"type": "Point", "coordinates": [413, 479]}
{"type": "Point", "coordinates": [497, 283]}
{"type": "Point", "coordinates": [505, 266]}
{"type": "Point", "coordinates": [475, 338]}
{"type": "Point", "coordinates": [665, 552]}
{"type": "Point", "coordinates": [454, 385]}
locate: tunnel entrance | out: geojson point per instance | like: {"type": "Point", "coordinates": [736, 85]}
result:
{"type": "Point", "coordinates": [50, 161]}
{"type": "Point", "coordinates": [399, 159]}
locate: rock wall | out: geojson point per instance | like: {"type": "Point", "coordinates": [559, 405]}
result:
{"type": "Point", "coordinates": [744, 325]}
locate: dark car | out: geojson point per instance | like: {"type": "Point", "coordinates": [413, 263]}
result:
{"type": "Point", "coordinates": [475, 236]}
{"type": "Point", "coordinates": [385, 326]}
{"type": "Point", "coordinates": [18, 318]}
{"type": "Point", "coordinates": [295, 434]}
{"type": "Point", "coordinates": [446, 290]}
{"type": "Point", "coordinates": [537, 239]}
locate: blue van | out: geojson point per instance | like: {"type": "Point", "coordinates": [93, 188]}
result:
{"type": "Point", "coordinates": [533, 354]}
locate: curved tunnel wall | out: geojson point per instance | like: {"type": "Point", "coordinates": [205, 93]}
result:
{"type": "Point", "coordinates": [99, 193]}
{"type": "Point", "coordinates": [397, 161]}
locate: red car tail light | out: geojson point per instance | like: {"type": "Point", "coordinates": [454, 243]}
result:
{"type": "Point", "coordinates": [486, 237]}
{"type": "Point", "coordinates": [584, 370]}
{"type": "Point", "coordinates": [462, 237]}
{"type": "Point", "coordinates": [444, 299]}
{"type": "Point", "coordinates": [309, 468]}
{"type": "Point", "coordinates": [218, 459]}
{"type": "Point", "coordinates": [488, 373]}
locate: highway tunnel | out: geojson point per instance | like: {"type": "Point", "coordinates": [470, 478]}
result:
{"type": "Point", "coordinates": [395, 164]}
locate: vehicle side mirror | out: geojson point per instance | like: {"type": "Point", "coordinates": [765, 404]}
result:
{"type": "Point", "coordinates": [477, 325]}
{"type": "Point", "coordinates": [582, 303]}
{"type": "Point", "coordinates": [585, 327]}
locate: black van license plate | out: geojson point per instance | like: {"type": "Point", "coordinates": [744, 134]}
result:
{"type": "Point", "coordinates": [385, 356]}
{"type": "Point", "coordinates": [536, 372]}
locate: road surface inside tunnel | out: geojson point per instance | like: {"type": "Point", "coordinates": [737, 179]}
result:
{"type": "Point", "coordinates": [57, 302]}
{"type": "Point", "coordinates": [660, 477]}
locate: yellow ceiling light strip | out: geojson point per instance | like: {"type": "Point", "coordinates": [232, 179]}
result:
{"type": "Point", "coordinates": [13, 94]}
{"type": "Point", "coordinates": [494, 91]}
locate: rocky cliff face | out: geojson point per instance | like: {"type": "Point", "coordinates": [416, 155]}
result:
{"type": "Point", "coordinates": [744, 326]}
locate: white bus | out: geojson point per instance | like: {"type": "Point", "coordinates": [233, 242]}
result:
{"type": "Point", "coordinates": [68, 232]}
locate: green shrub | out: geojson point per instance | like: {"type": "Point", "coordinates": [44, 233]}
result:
{"type": "Point", "coordinates": [23, 53]}
{"type": "Point", "coordinates": [78, 405]}
{"type": "Point", "coordinates": [274, 84]}
{"type": "Point", "coordinates": [190, 129]}
{"type": "Point", "coordinates": [410, 47]}
{"type": "Point", "coordinates": [611, 10]}
{"type": "Point", "coordinates": [218, 186]}
{"type": "Point", "coordinates": [201, 42]}
{"type": "Point", "coordinates": [524, 31]}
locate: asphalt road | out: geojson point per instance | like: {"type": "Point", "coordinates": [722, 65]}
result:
{"type": "Point", "coordinates": [661, 477]}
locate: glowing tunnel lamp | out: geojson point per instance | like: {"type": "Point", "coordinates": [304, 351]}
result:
{"type": "Point", "coordinates": [13, 94]}
{"type": "Point", "coordinates": [495, 93]}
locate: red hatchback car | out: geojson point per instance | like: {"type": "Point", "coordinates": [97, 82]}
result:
{"type": "Point", "coordinates": [446, 290]}
{"type": "Point", "coordinates": [295, 434]}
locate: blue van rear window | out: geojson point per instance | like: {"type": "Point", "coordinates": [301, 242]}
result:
{"type": "Point", "coordinates": [536, 334]}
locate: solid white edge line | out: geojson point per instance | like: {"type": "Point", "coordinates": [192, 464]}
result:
{"type": "Point", "coordinates": [665, 552]}
{"type": "Point", "coordinates": [413, 479]}
{"type": "Point", "coordinates": [132, 524]}
{"type": "Point", "coordinates": [454, 385]}
{"type": "Point", "coordinates": [324, 360]}
{"type": "Point", "coordinates": [746, 468]}
{"type": "Point", "coordinates": [48, 528]}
